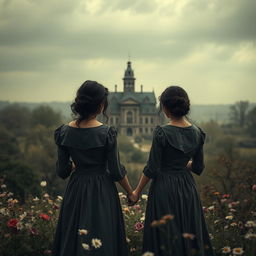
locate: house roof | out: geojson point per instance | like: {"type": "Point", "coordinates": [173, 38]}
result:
{"type": "Point", "coordinates": [146, 100]}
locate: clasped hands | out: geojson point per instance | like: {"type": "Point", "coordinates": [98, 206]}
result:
{"type": "Point", "coordinates": [132, 198]}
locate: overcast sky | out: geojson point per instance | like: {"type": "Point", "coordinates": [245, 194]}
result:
{"type": "Point", "coordinates": [49, 47]}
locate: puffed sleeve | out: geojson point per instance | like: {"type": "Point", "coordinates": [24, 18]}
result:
{"type": "Point", "coordinates": [63, 163]}
{"type": "Point", "coordinates": [155, 156]}
{"type": "Point", "coordinates": [116, 169]}
{"type": "Point", "coordinates": [198, 159]}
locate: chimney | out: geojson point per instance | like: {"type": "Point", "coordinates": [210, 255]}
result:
{"type": "Point", "coordinates": [115, 88]}
{"type": "Point", "coordinates": [141, 88]}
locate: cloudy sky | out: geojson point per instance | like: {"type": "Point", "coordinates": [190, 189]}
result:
{"type": "Point", "coordinates": [49, 47]}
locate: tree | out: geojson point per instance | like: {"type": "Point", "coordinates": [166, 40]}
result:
{"type": "Point", "coordinates": [15, 118]}
{"type": "Point", "coordinates": [21, 179]}
{"type": "Point", "coordinates": [251, 122]}
{"type": "Point", "coordinates": [8, 143]}
{"type": "Point", "coordinates": [238, 112]}
{"type": "Point", "coordinates": [45, 116]}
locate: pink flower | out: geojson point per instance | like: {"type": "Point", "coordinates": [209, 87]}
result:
{"type": "Point", "coordinates": [226, 195]}
{"type": "Point", "coordinates": [47, 252]}
{"type": "Point", "coordinates": [138, 226]}
{"type": "Point", "coordinates": [254, 187]}
{"type": "Point", "coordinates": [136, 206]}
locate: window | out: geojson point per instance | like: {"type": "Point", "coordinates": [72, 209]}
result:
{"type": "Point", "coordinates": [152, 120]}
{"type": "Point", "coordinates": [129, 117]}
{"type": "Point", "coordinates": [146, 130]}
{"type": "Point", "coordinates": [140, 130]}
{"type": "Point", "coordinates": [117, 120]}
{"type": "Point", "coordinates": [141, 120]}
{"type": "Point", "coordinates": [146, 120]}
{"type": "Point", "coordinates": [111, 120]}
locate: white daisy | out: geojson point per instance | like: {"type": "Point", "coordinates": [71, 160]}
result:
{"type": "Point", "coordinates": [82, 232]}
{"type": "Point", "coordinates": [144, 196]}
{"type": "Point", "coordinates": [238, 251]}
{"type": "Point", "coordinates": [226, 249]}
{"type": "Point", "coordinates": [96, 243]}
{"type": "Point", "coordinates": [148, 254]}
{"type": "Point", "coordinates": [59, 198]}
{"type": "Point", "coordinates": [250, 224]}
{"type": "Point", "coordinates": [86, 246]}
{"type": "Point", "coordinates": [43, 183]}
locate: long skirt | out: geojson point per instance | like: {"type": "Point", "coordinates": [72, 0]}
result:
{"type": "Point", "coordinates": [183, 232]}
{"type": "Point", "coordinates": [90, 203]}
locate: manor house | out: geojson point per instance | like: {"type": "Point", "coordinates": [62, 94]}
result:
{"type": "Point", "coordinates": [133, 113]}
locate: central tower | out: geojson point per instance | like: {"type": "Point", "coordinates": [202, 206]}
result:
{"type": "Point", "coordinates": [129, 80]}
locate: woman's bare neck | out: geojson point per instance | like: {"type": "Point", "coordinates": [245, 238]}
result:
{"type": "Point", "coordinates": [181, 122]}
{"type": "Point", "coordinates": [85, 123]}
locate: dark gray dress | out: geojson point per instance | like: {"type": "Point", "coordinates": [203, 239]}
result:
{"type": "Point", "coordinates": [91, 199]}
{"type": "Point", "coordinates": [173, 191]}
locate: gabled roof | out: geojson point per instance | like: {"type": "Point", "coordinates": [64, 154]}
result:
{"type": "Point", "coordinates": [147, 100]}
{"type": "Point", "coordinates": [141, 97]}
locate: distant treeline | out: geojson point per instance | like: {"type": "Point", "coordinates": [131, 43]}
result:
{"type": "Point", "coordinates": [200, 113]}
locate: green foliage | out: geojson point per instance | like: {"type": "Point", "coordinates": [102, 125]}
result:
{"type": "Point", "coordinates": [8, 143]}
{"type": "Point", "coordinates": [45, 116]}
{"type": "Point", "coordinates": [251, 122]}
{"type": "Point", "coordinates": [29, 147]}
{"type": "Point", "coordinates": [15, 119]}
{"type": "Point", "coordinates": [19, 177]}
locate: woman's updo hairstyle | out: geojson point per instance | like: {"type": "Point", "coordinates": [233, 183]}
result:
{"type": "Point", "coordinates": [175, 100]}
{"type": "Point", "coordinates": [90, 97]}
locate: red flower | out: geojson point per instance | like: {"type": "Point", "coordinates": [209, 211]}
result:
{"type": "Point", "coordinates": [226, 195]}
{"type": "Point", "coordinates": [44, 216]}
{"type": "Point", "coordinates": [12, 223]}
{"type": "Point", "coordinates": [138, 226]}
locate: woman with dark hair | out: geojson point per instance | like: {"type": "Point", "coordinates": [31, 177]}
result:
{"type": "Point", "coordinates": [174, 221]}
{"type": "Point", "coordinates": [90, 215]}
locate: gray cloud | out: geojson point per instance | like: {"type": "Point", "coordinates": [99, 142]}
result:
{"type": "Point", "coordinates": [210, 38]}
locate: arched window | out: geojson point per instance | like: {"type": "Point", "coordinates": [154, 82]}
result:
{"type": "Point", "coordinates": [129, 117]}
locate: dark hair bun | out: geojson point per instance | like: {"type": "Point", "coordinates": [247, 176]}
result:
{"type": "Point", "coordinates": [89, 98]}
{"type": "Point", "coordinates": [176, 101]}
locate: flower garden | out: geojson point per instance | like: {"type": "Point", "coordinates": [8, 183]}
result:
{"type": "Point", "coordinates": [28, 228]}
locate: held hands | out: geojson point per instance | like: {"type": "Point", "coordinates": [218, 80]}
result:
{"type": "Point", "coordinates": [133, 198]}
